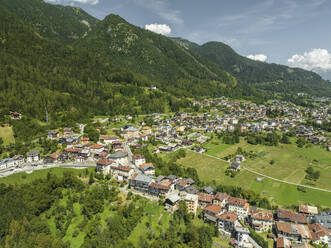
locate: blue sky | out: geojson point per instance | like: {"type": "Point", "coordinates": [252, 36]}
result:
{"type": "Point", "coordinates": [291, 32]}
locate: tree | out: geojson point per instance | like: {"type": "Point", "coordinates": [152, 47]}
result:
{"type": "Point", "coordinates": [91, 179]}
{"type": "Point", "coordinates": [301, 142]}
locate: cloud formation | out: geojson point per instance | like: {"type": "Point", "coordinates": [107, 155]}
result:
{"type": "Point", "coordinates": [318, 60]}
{"type": "Point", "coordinates": [92, 2]}
{"type": "Point", "coordinates": [163, 29]}
{"type": "Point", "coordinates": [258, 57]}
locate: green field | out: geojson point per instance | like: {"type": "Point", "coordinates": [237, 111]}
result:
{"type": "Point", "coordinates": [7, 134]}
{"type": "Point", "coordinates": [290, 162]}
{"type": "Point", "coordinates": [283, 194]}
{"type": "Point", "coordinates": [21, 178]}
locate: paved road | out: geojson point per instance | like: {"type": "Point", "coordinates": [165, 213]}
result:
{"type": "Point", "coordinates": [260, 174]}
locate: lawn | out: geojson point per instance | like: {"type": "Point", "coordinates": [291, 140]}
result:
{"type": "Point", "coordinates": [20, 178]}
{"type": "Point", "coordinates": [7, 134]}
{"type": "Point", "coordinates": [280, 193]}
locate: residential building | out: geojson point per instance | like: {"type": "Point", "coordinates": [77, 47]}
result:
{"type": "Point", "coordinates": [221, 199]}
{"type": "Point", "coordinates": [140, 182]}
{"type": "Point", "coordinates": [147, 169]}
{"type": "Point", "coordinates": [320, 234]}
{"type": "Point", "coordinates": [158, 189]}
{"type": "Point", "coordinates": [191, 203]}
{"type": "Point", "coordinates": [103, 165]}
{"type": "Point", "coordinates": [120, 172]}
{"type": "Point", "coordinates": [119, 158]}
{"type": "Point", "coordinates": [261, 220]}
{"type": "Point", "coordinates": [227, 221]}
{"type": "Point", "coordinates": [294, 232]}
{"type": "Point", "coordinates": [210, 213]}
{"type": "Point", "coordinates": [289, 216]}
{"type": "Point", "coordinates": [205, 199]}
{"type": "Point", "coordinates": [308, 210]}
{"type": "Point", "coordinates": [33, 156]}
{"type": "Point", "coordinates": [138, 159]}
{"type": "Point", "coordinates": [238, 206]}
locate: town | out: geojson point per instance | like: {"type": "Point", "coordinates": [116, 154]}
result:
{"type": "Point", "coordinates": [117, 156]}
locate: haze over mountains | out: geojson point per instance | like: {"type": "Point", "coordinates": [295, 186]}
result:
{"type": "Point", "coordinates": [65, 59]}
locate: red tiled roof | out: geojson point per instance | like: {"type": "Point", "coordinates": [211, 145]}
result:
{"type": "Point", "coordinates": [104, 162]}
{"type": "Point", "coordinates": [317, 231]}
{"type": "Point", "coordinates": [205, 197]}
{"type": "Point", "coordinates": [222, 196]}
{"type": "Point", "coordinates": [96, 146]}
{"type": "Point", "coordinates": [262, 215]}
{"type": "Point", "coordinates": [226, 216]}
{"type": "Point", "coordinates": [291, 216]}
{"type": "Point", "coordinates": [213, 208]}
{"type": "Point", "coordinates": [237, 201]}
{"type": "Point", "coordinates": [159, 186]}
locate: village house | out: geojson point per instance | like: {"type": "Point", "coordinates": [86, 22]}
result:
{"type": "Point", "coordinates": [289, 216]}
{"type": "Point", "coordinates": [6, 163]}
{"type": "Point", "coordinates": [18, 160]}
{"type": "Point", "coordinates": [103, 166]}
{"type": "Point", "coordinates": [97, 149]}
{"type": "Point", "coordinates": [33, 156]}
{"type": "Point", "coordinates": [210, 213]}
{"type": "Point", "coordinates": [294, 232]}
{"type": "Point", "coordinates": [205, 199]}
{"type": "Point", "coordinates": [221, 199]}
{"type": "Point", "coordinates": [51, 159]}
{"type": "Point", "coordinates": [147, 169]}
{"type": "Point", "coordinates": [140, 182]}
{"type": "Point", "coordinates": [15, 115]}
{"type": "Point", "coordinates": [323, 218]}
{"type": "Point", "coordinates": [130, 133]}
{"type": "Point", "coordinates": [227, 221]}
{"type": "Point", "coordinates": [172, 202]}
{"type": "Point", "coordinates": [158, 189]}
{"type": "Point", "coordinates": [320, 235]}
{"type": "Point", "coordinates": [121, 173]}
{"type": "Point", "coordinates": [308, 210]}
{"type": "Point", "coordinates": [53, 135]}
{"type": "Point", "coordinates": [261, 220]}
{"type": "Point", "coordinates": [191, 202]}
{"type": "Point", "coordinates": [235, 166]}
{"type": "Point", "coordinates": [119, 157]}
{"type": "Point", "coordinates": [108, 139]}
{"type": "Point", "coordinates": [138, 159]}
{"type": "Point", "coordinates": [242, 235]}
{"type": "Point", "coordinates": [67, 132]}
{"type": "Point", "coordinates": [238, 206]}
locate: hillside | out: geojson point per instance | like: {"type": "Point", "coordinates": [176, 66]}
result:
{"type": "Point", "coordinates": [37, 73]}
{"type": "Point", "coordinates": [270, 77]}
{"type": "Point", "coordinates": [173, 68]}
{"type": "Point", "coordinates": [56, 22]}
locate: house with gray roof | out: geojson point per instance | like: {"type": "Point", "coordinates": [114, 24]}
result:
{"type": "Point", "coordinates": [141, 182]}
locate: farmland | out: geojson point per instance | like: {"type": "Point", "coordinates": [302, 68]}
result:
{"type": "Point", "coordinates": [289, 164]}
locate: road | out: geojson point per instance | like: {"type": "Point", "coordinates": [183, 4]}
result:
{"type": "Point", "coordinates": [262, 175]}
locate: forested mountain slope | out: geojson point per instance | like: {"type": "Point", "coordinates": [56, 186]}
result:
{"type": "Point", "coordinates": [271, 77]}
{"type": "Point", "coordinates": [36, 73]}
{"type": "Point", "coordinates": [61, 23]}
{"type": "Point", "coordinates": [161, 60]}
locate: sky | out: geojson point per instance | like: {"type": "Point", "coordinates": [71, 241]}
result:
{"type": "Point", "coordinates": [291, 32]}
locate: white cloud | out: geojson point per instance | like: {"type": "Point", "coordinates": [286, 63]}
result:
{"type": "Point", "coordinates": [318, 60]}
{"type": "Point", "coordinates": [258, 57]}
{"type": "Point", "coordinates": [163, 29]}
{"type": "Point", "coordinates": [92, 2]}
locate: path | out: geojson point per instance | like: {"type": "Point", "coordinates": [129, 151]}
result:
{"type": "Point", "coordinates": [272, 178]}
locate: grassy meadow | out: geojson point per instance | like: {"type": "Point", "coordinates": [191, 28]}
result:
{"type": "Point", "coordinates": [290, 163]}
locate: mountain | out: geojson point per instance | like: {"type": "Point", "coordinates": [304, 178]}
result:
{"type": "Point", "coordinates": [169, 65]}
{"type": "Point", "coordinates": [37, 73]}
{"type": "Point", "coordinates": [61, 23]}
{"type": "Point", "coordinates": [265, 76]}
